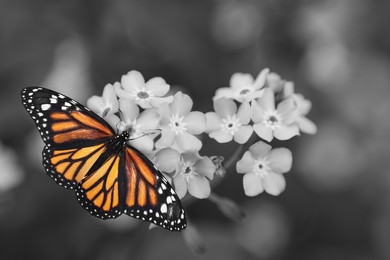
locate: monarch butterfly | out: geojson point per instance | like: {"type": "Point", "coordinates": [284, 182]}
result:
{"type": "Point", "coordinates": [110, 177]}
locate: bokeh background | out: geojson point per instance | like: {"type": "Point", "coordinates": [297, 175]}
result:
{"type": "Point", "coordinates": [337, 201]}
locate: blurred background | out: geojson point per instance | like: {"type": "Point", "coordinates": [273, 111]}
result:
{"type": "Point", "coordinates": [337, 201]}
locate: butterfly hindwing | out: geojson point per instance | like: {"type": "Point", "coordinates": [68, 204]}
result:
{"type": "Point", "coordinates": [149, 196]}
{"type": "Point", "coordinates": [67, 167]}
{"type": "Point", "coordinates": [100, 192]}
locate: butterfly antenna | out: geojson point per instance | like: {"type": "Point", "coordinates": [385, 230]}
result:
{"type": "Point", "coordinates": [147, 132]}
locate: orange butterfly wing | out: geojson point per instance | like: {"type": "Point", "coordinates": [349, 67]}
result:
{"type": "Point", "coordinates": [74, 135]}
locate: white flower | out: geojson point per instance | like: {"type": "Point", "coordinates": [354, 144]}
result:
{"type": "Point", "coordinates": [264, 168]}
{"type": "Point", "coordinates": [227, 123]}
{"type": "Point", "coordinates": [270, 122]}
{"type": "Point", "coordinates": [146, 95]}
{"type": "Point", "coordinates": [243, 87]}
{"type": "Point", "coordinates": [106, 104]}
{"type": "Point", "coordinates": [179, 124]}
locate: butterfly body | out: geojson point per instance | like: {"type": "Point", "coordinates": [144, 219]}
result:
{"type": "Point", "coordinates": [108, 175]}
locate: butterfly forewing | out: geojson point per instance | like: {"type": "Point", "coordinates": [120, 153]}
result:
{"type": "Point", "coordinates": [61, 121]}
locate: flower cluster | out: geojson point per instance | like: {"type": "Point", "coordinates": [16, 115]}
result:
{"type": "Point", "coordinates": [162, 126]}
{"type": "Point", "coordinates": [268, 107]}
{"type": "Point", "coordinates": [165, 128]}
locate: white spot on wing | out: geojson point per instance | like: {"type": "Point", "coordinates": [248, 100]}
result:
{"type": "Point", "coordinates": [45, 107]}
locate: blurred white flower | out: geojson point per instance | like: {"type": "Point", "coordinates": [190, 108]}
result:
{"type": "Point", "coordinates": [11, 174]}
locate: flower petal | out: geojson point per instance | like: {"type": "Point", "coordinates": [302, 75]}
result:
{"type": "Point", "coordinates": [188, 142]}
{"type": "Point", "coordinates": [261, 78]}
{"type": "Point", "coordinates": [199, 186]}
{"type": "Point", "coordinates": [258, 113]}
{"type": "Point", "coordinates": [244, 113]}
{"type": "Point", "coordinates": [243, 133]}
{"type": "Point", "coordinates": [213, 122]}
{"type": "Point", "coordinates": [181, 104]}
{"type": "Point", "coordinates": [239, 80]}
{"type": "Point", "coordinates": [157, 86]}
{"type": "Point", "coordinates": [143, 103]}
{"type": "Point", "coordinates": [280, 160]}
{"type": "Point", "coordinates": [96, 104]}
{"type": "Point", "coordinates": [224, 93]}
{"type": "Point", "coordinates": [165, 113]}
{"type": "Point", "coordinates": [195, 122]}
{"type": "Point", "coordinates": [286, 107]}
{"type": "Point", "coordinates": [260, 150]}
{"type": "Point", "coordinates": [205, 167]}
{"type": "Point", "coordinates": [167, 138]}
{"type": "Point", "coordinates": [158, 101]}
{"type": "Point", "coordinates": [285, 132]}
{"type": "Point", "coordinates": [221, 136]}
{"type": "Point", "coordinates": [113, 121]}
{"type": "Point", "coordinates": [274, 183]}
{"type": "Point", "coordinates": [252, 184]}
{"type": "Point", "coordinates": [245, 165]}
{"type": "Point", "coordinates": [124, 94]}
{"type": "Point", "coordinates": [133, 81]}
{"type": "Point", "coordinates": [110, 98]}
{"type": "Point", "coordinates": [267, 101]}
{"type": "Point", "coordinates": [148, 120]}
{"type": "Point", "coordinates": [306, 125]}
{"type": "Point", "coordinates": [167, 160]}
{"type": "Point", "coordinates": [180, 185]}
{"type": "Point", "coordinates": [263, 131]}
{"type": "Point", "coordinates": [129, 110]}
{"type": "Point", "coordinates": [225, 107]}
{"type": "Point", "coordinates": [145, 144]}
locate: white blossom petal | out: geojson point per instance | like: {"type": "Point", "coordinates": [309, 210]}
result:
{"type": "Point", "coordinates": [244, 113]}
{"type": "Point", "coordinates": [260, 150]}
{"type": "Point", "coordinates": [306, 125]}
{"type": "Point", "coordinates": [195, 122]}
{"type": "Point", "coordinates": [252, 184]}
{"type": "Point", "coordinates": [180, 185]}
{"type": "Point", "coordinates": [238, 80]}
{"type": "Point", "coordinates": [199, 186]}
{"type": "Point", "coordinates": [205, 167]}
{"type": "Point", "coordinates": [157, 86]}
{"type": "Point", "coordinates": [280, 160]}
{"type": "Point", "coordinates": [263, 131]}
{"type": "Point", "coordinates": [274, 183]}
{"type": "Point", "coordinates": [285, 132]}
{"type": "Point", "coordinates": [243, 133]}
{"type": "Point", "coordinates": [225, 107]}
{"type": "Point", "coordinates": [133, 81]}
{"type": "Point", "coordinates": [245, 165]}
{"type": "Point", "coordinates": [188, 142]}
{"type": "Point", "coordinates": [213, 121]}
{"type": "Point", "coordinates": [181, 104]}
{"type": "Point", "coordinates": [221, 136]}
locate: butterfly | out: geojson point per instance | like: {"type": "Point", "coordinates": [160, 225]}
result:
{"type": "Point", "coordinates": [110, 177]}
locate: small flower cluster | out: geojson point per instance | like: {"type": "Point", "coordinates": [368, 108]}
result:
{"type": "Point", "coordinates": [269, 107]}
{"type": "Point", "coordinates": [165, 128]}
